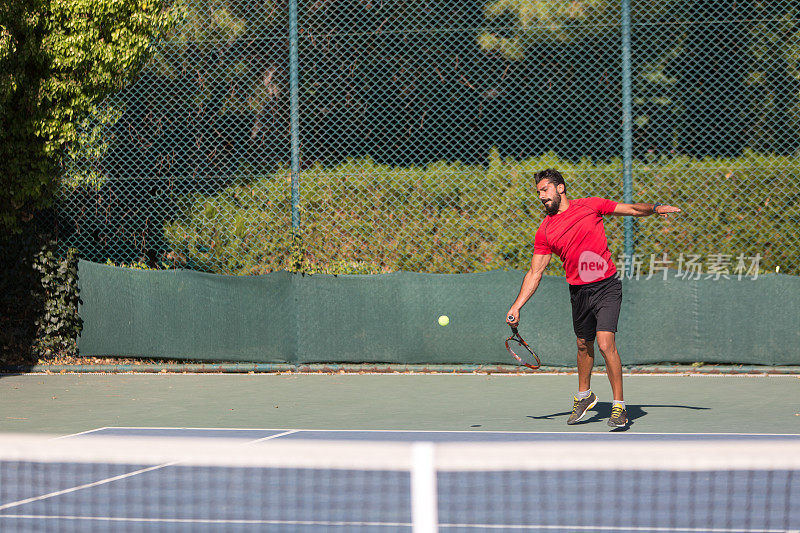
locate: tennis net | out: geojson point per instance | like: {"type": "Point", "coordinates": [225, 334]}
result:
{"type": "Point", "coordinates": [176, 484]}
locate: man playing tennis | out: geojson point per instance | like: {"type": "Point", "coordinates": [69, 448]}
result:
{"type": "Point", "coordinates": [574, 230]}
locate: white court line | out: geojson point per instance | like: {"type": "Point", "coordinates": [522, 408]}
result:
{"type": "Point", "coordinates": [208, 521]}
{"type": "Point", "coordinates": [396, 524]}
{"type": "Point", "coordinates": [534, 432]}
{"type": "Point", "coordinates": [81, 433]}
{"type": "Point", "coordinates": [197, 428]}
{"type": "Point", "coordinates": [80, 487]}
{"type": "Point", "coordinates": [473, 432]}
{"type": "Point", "coordinates": [477, 373]}
{"type": "Point", "coordinates": [532, 527]}
{"type": "Point", "coordinates": [287, 432]}
{"type": "Point", "coordinates": [116, 478]}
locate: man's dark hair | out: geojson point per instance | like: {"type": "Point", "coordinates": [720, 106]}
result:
{"type": "Point", "coordinates": [552, 175]}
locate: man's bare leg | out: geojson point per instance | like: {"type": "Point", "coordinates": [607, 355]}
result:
{"type": "Point", "coordinates": [585, 399]}
{"type": "Point", "coordinates": [585, 364]}
{"type": "Point", "coordinates": [608, 347]}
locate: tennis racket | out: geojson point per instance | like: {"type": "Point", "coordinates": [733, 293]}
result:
{"type": "Point", "coordinates": [520, 350]}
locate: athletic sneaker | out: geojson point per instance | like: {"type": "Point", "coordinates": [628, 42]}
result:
{"type": "Point", "coordinates": [619, 417]}
{"type": "Point", "coordinates": [579, 407]}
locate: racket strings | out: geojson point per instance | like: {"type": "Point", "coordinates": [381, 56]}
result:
{"type": "Point", "coordinates": [522, 351]}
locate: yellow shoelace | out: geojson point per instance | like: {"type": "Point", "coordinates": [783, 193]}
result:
{"type": "Point", "coordinates": [616, 411]}
{"type": "Point", "coordinates": [575, 402]}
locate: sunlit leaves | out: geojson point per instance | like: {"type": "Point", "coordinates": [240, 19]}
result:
{"type": "Point", "coordinates": [58, 58]}
{"type": "Point", "coordinates": [547, 21]}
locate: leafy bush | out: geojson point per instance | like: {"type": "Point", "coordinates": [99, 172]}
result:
{"type": "Point", "coordinates": [38, 300]}
{"type": "Point", "coordinates": [747, 205]}
{"type": "Point", "coordinates": [362, 217]}
{"type": "Point", "coordinates": [58, 58]}
{"type": "Point", "coordinates": [60, 324]}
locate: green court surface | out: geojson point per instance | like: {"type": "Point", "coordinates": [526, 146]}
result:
{"type": "Point", "coordinates": [71, 403]}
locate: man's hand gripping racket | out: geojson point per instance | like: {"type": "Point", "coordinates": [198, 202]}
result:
{"type": "Point", "coordinates": [520, 349]}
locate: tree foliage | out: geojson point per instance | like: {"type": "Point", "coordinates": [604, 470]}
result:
{"type": "Point", "coordinates": [58, 58]}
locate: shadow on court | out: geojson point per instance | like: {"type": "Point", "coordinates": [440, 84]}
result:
{"type": "Point", "coordinates": [602, 411]}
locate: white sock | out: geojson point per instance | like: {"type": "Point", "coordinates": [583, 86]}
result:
{"type": "Point", "coordinates": [582, 395]}
{"type": "Point", "coordinates": [619, 402]}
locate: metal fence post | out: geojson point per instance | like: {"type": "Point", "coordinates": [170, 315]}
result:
{"type": "Point", "coordinates": [294, 113]}
{"type": "Point", "coordinates": [627, 132]}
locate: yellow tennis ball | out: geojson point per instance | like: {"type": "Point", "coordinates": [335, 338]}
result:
{"type": "Point", "coordinates": [443, 320]}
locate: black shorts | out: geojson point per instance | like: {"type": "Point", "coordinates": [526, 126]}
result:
{"type": "Point", "coordinates": [595, 307]}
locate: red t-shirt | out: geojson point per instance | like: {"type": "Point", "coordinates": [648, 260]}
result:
{"type": "Point", "coordinates": [578, 237]}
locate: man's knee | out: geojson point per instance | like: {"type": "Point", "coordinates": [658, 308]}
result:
{"type": "Point", "coordinates": [606, 342]}
{"type": "Point", "coordinates": [585, 347]}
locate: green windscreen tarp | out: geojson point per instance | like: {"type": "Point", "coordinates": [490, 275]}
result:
{"type": "Point", "coordinates": [392, 318]}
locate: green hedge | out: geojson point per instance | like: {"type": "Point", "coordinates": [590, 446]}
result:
{"type": "Point", "coordinates": [363, 217]}
{"type": "Point", "coordinates": [38, 301]}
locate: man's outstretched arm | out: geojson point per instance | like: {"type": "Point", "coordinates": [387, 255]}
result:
{"type": "Point", "coordinates": [644, 210]}
{"type": "Point", "coordinates": [529, 285]}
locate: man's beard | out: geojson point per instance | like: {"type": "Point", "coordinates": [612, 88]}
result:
{"type": "Point", "coordinates": [552, 207]}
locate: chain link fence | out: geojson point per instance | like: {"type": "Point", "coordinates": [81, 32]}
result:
{"type": "Point", "coordinates": [420, 125]}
